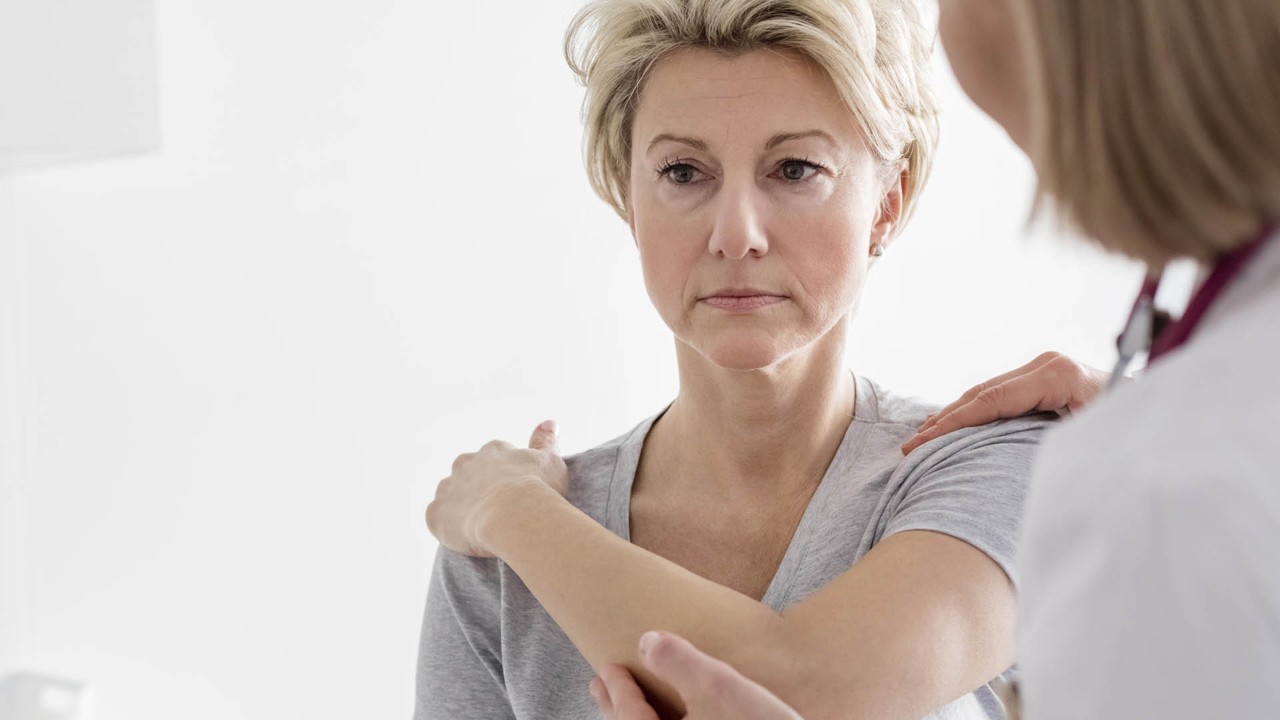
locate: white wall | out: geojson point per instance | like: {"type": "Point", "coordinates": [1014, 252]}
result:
{"type": "Point", "coordinates": [235, 370]}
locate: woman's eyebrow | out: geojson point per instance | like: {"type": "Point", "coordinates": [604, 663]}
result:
{"type": "Point", "coordinates": [774, 141]}
{"type": "Point", "coordinates": [694, 143]}
{"type": "Point", "coordinates": [780, 138]}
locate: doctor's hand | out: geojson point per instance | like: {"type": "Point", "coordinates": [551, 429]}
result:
{"type": "Point", "coordinates": [711, 689]}
{"type": "Point", "coordinates": [1051, 382]}
{"type": "Point", "coordinates": [483, 483]}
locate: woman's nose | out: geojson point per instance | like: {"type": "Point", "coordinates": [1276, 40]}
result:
{"type": "Point", "coordinates": [738, 231]}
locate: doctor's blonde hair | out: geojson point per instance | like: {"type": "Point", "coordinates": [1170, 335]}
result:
{"type": "Point", "coordinates": [876, 52]}
{"type": "Point", "coordinates": [1155, 124]}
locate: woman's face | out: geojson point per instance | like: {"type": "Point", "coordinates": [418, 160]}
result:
{"type": "Point", "coordinates": [754, 201]}
{"type": "Point", "coordinates": [983, 49]}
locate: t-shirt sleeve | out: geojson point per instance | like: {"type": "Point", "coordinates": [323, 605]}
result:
{"type": "Point", "coordinates": [459, 655]}
{"type": "Point", "coordinates": [971, 486]}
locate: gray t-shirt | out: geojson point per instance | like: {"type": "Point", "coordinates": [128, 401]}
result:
{"type": "Point", "coordinates": [489, 650]}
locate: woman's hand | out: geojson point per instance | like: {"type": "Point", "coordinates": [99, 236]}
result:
{"type": "Point", "coordinates": [1051, 382]}
{"type": "Point", "coordinates": [485, 482]}
{"type": "Point", "coordinates": [710, 688]}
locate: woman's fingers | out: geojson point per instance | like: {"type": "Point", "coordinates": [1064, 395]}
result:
{"type": "Point", "coordinates": [545, 441]}
{"type": "Point", "coordinates": [545, 437]}
{"type": "Point", "coordinates": [711, 688]}
{"type": "Point", "coordinates": [482, 484]}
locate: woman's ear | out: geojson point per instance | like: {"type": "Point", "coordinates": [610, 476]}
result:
{"type": "Point", "coordinates": [891, 205]}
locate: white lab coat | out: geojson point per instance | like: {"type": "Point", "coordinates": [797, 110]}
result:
{"type": "Point", "coordinates": [1150, 554]}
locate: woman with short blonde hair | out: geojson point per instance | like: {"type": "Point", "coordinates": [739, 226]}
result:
{"type": "Point", "coordinates": [875, 53]}
{"type": "Point", "coordinates": [764, 154]}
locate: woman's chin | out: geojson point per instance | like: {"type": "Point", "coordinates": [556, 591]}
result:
{"type": "Point", "coordinates": [744, 354]}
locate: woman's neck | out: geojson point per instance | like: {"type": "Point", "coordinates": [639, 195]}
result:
{"type": "Point", "coordinates": [760, 432]}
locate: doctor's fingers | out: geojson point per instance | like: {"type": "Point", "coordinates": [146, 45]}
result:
{"type": "Point", "coordinates": [973, 392]}
{"type": "Point", "coordinates": [600, 694]}
{"type": "Point", "coordinates": [619, 697]}
{"type": "Point", "coordinates": [710, 688]}
{"type": "Point", "coordinates": [1061, 384]}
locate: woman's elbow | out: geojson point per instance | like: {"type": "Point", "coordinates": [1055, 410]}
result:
{"type": "Point", "coordinates": [818, 684]}
{"type": "Point", "coordinates": [824, 678]}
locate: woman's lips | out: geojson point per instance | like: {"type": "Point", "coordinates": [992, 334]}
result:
{"type": "Point", "coordinates": [742, 303]}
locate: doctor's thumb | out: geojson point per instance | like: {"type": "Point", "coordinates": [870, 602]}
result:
{"type": "Point", "coordinates": [676, 661]}
{"type": "Point", "coordinates": [705, 682]}
{"type": "Point", "coordinates": [546, 437]}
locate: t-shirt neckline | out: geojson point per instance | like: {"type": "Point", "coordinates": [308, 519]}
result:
{"type": "Point", "coordinates": [866, 415]}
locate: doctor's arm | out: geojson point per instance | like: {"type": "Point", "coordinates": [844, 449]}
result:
{"type": "Point", "coordinates": [1162, 605]}
{"type": "Point", "coordinates": [919, 621]}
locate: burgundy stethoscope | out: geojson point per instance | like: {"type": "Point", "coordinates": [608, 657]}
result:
{"type": "Point", "coordinates": [1152, 331]}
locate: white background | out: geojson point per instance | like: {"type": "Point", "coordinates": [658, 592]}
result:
{"type": "Point", "coordinates": [234, 370]}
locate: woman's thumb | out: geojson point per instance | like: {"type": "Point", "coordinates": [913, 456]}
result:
{"type": "Point", "coordinates": [545, 437]}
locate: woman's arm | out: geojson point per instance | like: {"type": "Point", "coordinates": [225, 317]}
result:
{"type": "Point", "coordinates": [919, 621]}
{"type": "Point", "coordinates": [709, 687]}
{"type": "Point", "coordinates": [922, 619]}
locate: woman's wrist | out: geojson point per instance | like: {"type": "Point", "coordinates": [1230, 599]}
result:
{"type": "Point", "coordinates": [498, 523]}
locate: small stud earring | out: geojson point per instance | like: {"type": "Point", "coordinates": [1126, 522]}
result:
{"type": "Point", "coordinates": [877, 250]}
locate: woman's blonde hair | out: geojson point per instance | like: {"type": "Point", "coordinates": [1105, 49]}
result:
{"type": "Point", "coordinates": [876, 52]}
{"type": "Point", "coordinates": [1155, 124]}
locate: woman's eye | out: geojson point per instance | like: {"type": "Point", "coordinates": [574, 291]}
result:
{"type": "Point", "coordinates": [681, 173]}
{"type": "Point", "coordinates": [796, 170]}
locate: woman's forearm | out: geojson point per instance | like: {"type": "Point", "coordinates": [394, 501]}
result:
{"type": "Point", "coordinates": [605, 592]}
{"type": "Point", "coordinates": [870, 645]}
